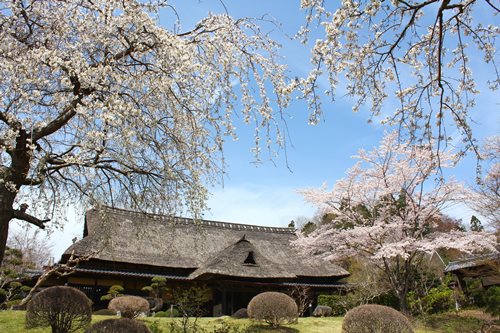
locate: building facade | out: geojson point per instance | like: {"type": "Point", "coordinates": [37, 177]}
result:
{"type": "Point", "coordinates": [235, 261]}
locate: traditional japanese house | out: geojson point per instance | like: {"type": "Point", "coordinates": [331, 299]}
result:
{"type": "Point", "coordinates": [236, 261]}
{"type": "Point", "coordinates": [484, 267]}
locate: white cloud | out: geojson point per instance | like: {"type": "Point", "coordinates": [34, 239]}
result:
{"type": "Point", "coordinates": [258, 205]}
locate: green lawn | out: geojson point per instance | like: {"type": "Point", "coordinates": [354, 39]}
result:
{"type": "Point", "coordinates": [13, 322]}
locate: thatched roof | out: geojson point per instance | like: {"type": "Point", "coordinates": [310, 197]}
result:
{"type": "Point", "coordinates": [486, 267]}
{"type": "Point", "coordinates": [206, 247]}
{"type": "Point", "coordinates": [242, 259]}
{"type": "Point", "coordinates": [488, 260]}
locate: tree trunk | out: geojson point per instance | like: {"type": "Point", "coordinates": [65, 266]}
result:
{"type": "Point", "coordinates": [6, 210]}
{"type": "Point", "coordinates": [403, 303]}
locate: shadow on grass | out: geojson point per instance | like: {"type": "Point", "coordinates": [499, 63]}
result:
{"type": "Point", "coordinates": [268, 329]}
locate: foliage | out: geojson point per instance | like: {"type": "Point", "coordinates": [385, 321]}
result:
{"type": "Point", "coordinates": [129, 306]}
{"type": "Point", "coordinates": [240, 314]}
{"type": "Point", "coordinates": [156, 289]}
{"type": "Point", "coordinates": [383, 209]}
{"type": "Point", "coordinates": [438, 299]}
{"type": "Point", "coordinates": [101, 102]}
{"type": "Point", "coordinates": [12, 294]}
{"type": "Point", "coordinates": [308, 228]}
{"type": "Point", "coordinates": [154, 327]}
{"type": "Point", "coordinates": [475, 224]}
{"type": "Point", "coordinates": [189, 302]}
{"type": "Point", "coordinates": [64, 309]}
{"type": "Point", "coordinates": [475, 291]}
{"type": "Point", "coordinates": [157, 286]}
{"type": "Point", "coordinates": [373, 318]}
{"type": "Point", "coordinates": [492, 301]}
{"type": "Point", "coordinates": [12, 266]}
{"type": "Point", "coordinates": [113, 292]}
{"type": "Point", "coordinates": [273, 307]}
{"type": "Point", "coordinates": [118, 326]}
{"type": "Point", "coordinates": [171, 312]}
{"type": "Point", "coordinates": [453, 323]}
{"type": "Point", "coordinates": [485, 197]}
{"type": "Point", "coordinates": [416, 52]}
{"type": "Point", "coordinates": [335, 302]}
{"type": "Point", "coordinates": [12, 271]}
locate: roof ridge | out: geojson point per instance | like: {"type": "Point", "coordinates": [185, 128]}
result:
{"type": "Point", "coordinates": [203, 222]}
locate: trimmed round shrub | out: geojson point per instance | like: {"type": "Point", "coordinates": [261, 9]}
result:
{"type": "Point", "coordinates": [64, 309]}
{"type": "Point", "coordinates": [322, 311]}
{"type": "Point", "coordinates": [129, 306]}
{"type": "Point", "coordinates": [335, 302]}
{"type": "Point", "coordinates": [104, 312]}
{"type": "Point", "coordinates": [118, 326]}
{"type": "Point", "coordinates": [374, 318]}
{"type": "Point", "coordinates": [240, 314]}
{"type": "Point", "coordinates": [274, 308]}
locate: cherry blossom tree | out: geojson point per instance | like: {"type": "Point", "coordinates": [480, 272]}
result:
{"type": "Point", "coordinates": [99, 102]}
{"type": "Point", "coordinates": [485, 196]}
{"type": "Point", "coordinates": [417, 52]}
{"type": "Point", "coordinates": [383, 211]}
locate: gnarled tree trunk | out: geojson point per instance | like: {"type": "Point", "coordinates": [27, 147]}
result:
{"type": "Point", "coordinates": [6, 212]}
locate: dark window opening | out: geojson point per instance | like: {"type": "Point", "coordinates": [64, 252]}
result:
{"type": "Point", "coordinates": [250, 260]}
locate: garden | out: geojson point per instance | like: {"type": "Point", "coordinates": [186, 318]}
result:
{"type": "Point", "coordinates": [63, 309]}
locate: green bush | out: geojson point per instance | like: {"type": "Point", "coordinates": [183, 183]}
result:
{"type": "Point", "coordinates": [492, 301]}
{"type": "Point", "coordinates": [336, 302]}
{"type": "Point", "coordinates": [168, 313]}
{"type": "Point", "coordinates": [113, 292]}
{"type": "Point", "coordinates": [374, 318]}
{"type": "Point", "coordinates": [274, 308]}
{"type": "Point", "coordinates": [475, 291]}
{"type": "Point", "coordinates": [452, 323]}
{"type": "Point", "coordinates": [437, 300]}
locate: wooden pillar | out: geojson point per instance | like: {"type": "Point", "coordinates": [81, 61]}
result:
{"type": "Point", "coordinates": [224, 301]}
{"type": "Point", "coordinates": [232, 302]}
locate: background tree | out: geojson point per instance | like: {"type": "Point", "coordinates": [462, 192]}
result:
{"type": "Point", "coordinates": [302, 296]}
{"type": "Point", "coordinates": [99, 102]}
{"type": "Point", "coordinates": [475, 224]}
{"type": "Point", "coordinates": [486, 193]}
{"type": "Point", "coordinates": [113, 292]}
{"type": "Point", "coordinates": [156, 289]}
{"type": "Point", "coordinates": [191, 304]}
{"type": "Point", "coordinates": [415, 51]}
{"type": "Point", "coordinates": [12, 270]}
{"type": "Point", "coordinates": [36, 247]}
{"type": "Point", "coordinates": [383, 208]}
{"type": "Point", "coordinates": [25, 251]}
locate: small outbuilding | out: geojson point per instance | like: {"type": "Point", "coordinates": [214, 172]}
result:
{"type": "Point", "coordinates": [485, 267]}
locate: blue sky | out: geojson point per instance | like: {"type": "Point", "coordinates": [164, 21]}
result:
{"type": "Point", "coordinates": [265, 194]}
